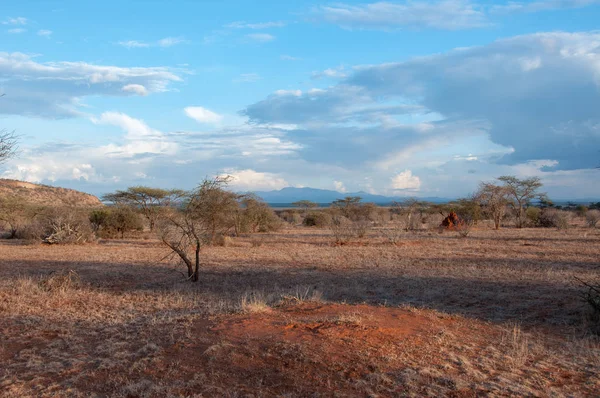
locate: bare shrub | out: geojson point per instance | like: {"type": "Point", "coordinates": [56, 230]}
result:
{"type": "Point", "coordinates": [66, 226]}
{"type": "Point", "coordinates": [592, 217]}
{"type": "Point", "coordinates": [61, 281]}
{"type": "Point", "coordinates": [256, 242]}
{"type": "Point", "coordinates": [319, 219]}
{"type": "Point", "coordinates": [463, 229]}
{"type": "Point", "coordinates": [394, 232]}
{"type": "Point", "coordinates": [554, 218]}
{"type": "Point", "coordinates": [592, 297]}
{"type": "Point", "coordinates": [343, 229]}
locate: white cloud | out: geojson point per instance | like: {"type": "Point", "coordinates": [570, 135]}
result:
{"type": "Point", "coordinates": [17, 31]}
{"type": "Point", "coordinates": [170, 41]}
{"type": "Point", "coordinates": [15, 21]}
{"type": "Point", "coordinates": [139, 137]}
{"type": "Point", "coordinates": [44, 32]}
{"type": "Point", "coordinates": [440, 14]}
{"type": "Point", "coordinates": [54, 89]}
{"type": "Point", "coordinates": [203, 115]}
{"type": "Point", "coordinates": [337, 73]}
{"type": "Point", "coordinates": [339, 186]}
{"type": "Point", "coordinates": [260, 37]}
{"type": "Point", "coordinates": [136, 89]}
{"type": "Point", "coordinates": [405, 181]}
{"type": "Point", "coordinates": [250, 180]}
{"type": "Point", "coordinates": [133, 44]}
{"type": "Point", "coordinates": [260, 25]}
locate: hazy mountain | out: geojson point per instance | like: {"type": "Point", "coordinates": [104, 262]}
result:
{"type": "Point", "coordinates": [290, 195]}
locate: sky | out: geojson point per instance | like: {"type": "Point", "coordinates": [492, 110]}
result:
{"type": "Point", "coordinates": [399, 98]}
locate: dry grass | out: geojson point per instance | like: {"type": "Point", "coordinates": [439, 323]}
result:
{"type": "Point", "coordinates": [496, 314]}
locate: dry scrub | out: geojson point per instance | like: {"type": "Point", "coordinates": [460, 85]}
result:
{"type": "Point", "coordinates": [426, 314]}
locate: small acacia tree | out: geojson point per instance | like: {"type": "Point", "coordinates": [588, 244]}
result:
{"type": "Point", "coordinates": [305, 205]}
{"type": "Point", "coordinates": [149, 201]}
{"type": "Point", "coordinates": [494, 200]}
{"type": "Point", "coordinates": [521, 193]}
{"type": "Point", "coordinates": [205, 213]}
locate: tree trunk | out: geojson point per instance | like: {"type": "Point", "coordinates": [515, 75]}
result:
{"type": "Point", "coordinates": [197, 265]}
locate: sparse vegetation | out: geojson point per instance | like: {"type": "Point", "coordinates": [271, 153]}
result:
{"type": "Point", "coordinates": [428, 315]}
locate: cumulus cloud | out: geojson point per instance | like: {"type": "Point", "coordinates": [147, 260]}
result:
{"type": "Point", "coordinates": [54, 89]}
{"type": "Point", "coordinates": [135, 89]}
{"type": "Point", "coordinates": [538, 92]}
{"type": "Point", "coordinates": [166, 42]}
{"type": "Point", "coordinates": [405, 181]}
{"type": "Point", "coordinates": [260, 37]}
{"type": "Point", "coordinates": [202, 115]}
{"type": "Point", "coordinates": [44, 32]}
{"type": "Point", "coordinates": [339, 186]}
{"type": "Point", "coordinates": [443, 14]}
{"type": "Point", "coordinates": [16, 31]}
{"type": "Point", "coordinates": [250, 180]}
{"type": "Point", "coordinates": [139, 138]}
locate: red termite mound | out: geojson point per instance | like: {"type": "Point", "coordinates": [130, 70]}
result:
{"type": "Point", "coordinates": [452, 221]}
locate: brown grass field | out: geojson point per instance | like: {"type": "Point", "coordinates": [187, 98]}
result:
{"type": "Point", "coordinates": [289, 314]}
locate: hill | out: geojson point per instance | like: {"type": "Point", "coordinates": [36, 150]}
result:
{"type": "Point", "coordinates": [46, 195]}
{"type": "Point", "coordinates": [324, 196]}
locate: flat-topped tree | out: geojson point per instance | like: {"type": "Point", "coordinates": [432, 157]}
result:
{"type": "Point", "coordinates": [305, 205]}
{"type": "Point", "coordinates": [149, 201]}
{"type": "Point", "coordinates": [521, 193]}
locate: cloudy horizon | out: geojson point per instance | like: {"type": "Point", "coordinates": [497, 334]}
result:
{"type": "Point", "coordinates": [399, 98]}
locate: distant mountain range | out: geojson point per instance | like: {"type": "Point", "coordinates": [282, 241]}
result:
{"type": "Point", "coordinates": [324, 196]}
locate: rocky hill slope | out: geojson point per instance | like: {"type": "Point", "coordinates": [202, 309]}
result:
{"type": "Point", "coordinates": [46, 195]}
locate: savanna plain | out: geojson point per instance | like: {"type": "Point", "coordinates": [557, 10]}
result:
{"type": "Point", "coordinates": [292, 314]}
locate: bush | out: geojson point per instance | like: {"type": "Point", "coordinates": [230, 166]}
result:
{"type": "Point", "coordinates": [319, 219]}
{"type": "Point", "coordinates": [592, 217]}
{"type": "Point", "coordinates": [122, 219]}
{"type": "Point", "coordinates": [66, 225]}
{"type": "Point", "coordinates": [291, 216]}
{"type": "Point", "coordinates": [533, 216]}
{"type": "Point", "coordinates": [554, 218]}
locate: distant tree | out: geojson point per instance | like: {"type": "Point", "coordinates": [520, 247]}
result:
{"type": "Point", "coordinates": [149, 201]}
{"type": "Point", "coordinates": [257, 215]}
{"type": "Point", "coordinates": [15, 213]}
{"type": "Point", "coordinates": [494, 199]}
{"type": "Point", "coordinates": [205, 213]}
{"type": "Point", "coordinates": [521, 193]}
{"type": "Point", "coordinates": [122, 219]}
{"type": "Point", "coordinates": [409, 207]}
{"type": "Point", "coordinates": [347, 206]}
{"type": "Point", "coordinates": [8, 145]}
{"type": "Point", "coordinates": [305, 205]}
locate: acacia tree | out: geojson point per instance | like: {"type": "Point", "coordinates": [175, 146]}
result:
{"type": "Point", "coordinates": [149, 201]}
{"type": "Point", "coordinates": [205, 213]}
{"type": "Point", "coordinates": [305, 205]}
{"type": "Point", "coordinates": [494, 200]}
{"type": "Point", "coordinates": [8, 145]}
{"type": "Point", "coordinates": [522, 192]}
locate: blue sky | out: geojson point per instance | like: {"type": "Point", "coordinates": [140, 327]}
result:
{"type": "Point", "coordinates": [410, 98]}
